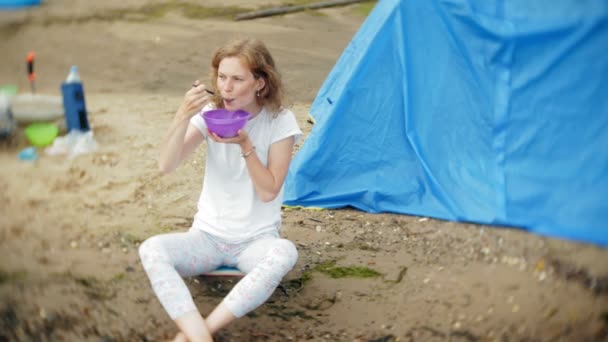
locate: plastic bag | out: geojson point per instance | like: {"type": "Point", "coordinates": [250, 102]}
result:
{"type": "Point", "coordinates": [73, 144]}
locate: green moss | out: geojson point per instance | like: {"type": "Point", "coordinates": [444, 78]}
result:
{"type": "Point", "coordinates": [364, 247]}
{"type": "Point", "coordinates": [315, 13]}
{"type": "Point", "coordinates": [334, 271]}
{"type": "Point", "coordinates": [130, 239]}
{"type": "Point", "coordinates": [7, 277]}
{"type": "Point", "coordinates": [118, 277]}
{"type": "Point", "coordinates": [151, 12]}
{"type": "Point", "coordinates": [306, 277]}
{"type": "Point", "coordinates": [190, 10]}
{"type": "Point", "coordinates": [364, 9]}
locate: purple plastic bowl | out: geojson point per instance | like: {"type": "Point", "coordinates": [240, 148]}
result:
{"type": "Point", "coordinates": [225, 123]}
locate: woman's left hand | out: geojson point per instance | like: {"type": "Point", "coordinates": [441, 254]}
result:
{"type": "Point", "coordinates": [239, 139]}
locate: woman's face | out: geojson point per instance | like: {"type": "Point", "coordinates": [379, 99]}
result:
{"type": "Point", "coordinates": [238, 86]}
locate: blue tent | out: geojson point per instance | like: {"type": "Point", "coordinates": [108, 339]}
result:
{"type": "Point", "coordinates": [15, 4]}
{"type": "Point", "coordinates": [493, 112]}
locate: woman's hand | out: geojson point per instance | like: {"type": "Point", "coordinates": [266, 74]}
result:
{"type": "Point", "coordinates": [242, 138]}
{"type": "Point", "coordinates": [182, 138]}
{"type": "Point", "coordinates": [194, 100]}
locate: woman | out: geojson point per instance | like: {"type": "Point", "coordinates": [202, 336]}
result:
{"type": "Point", "coordinates": [239, 209]}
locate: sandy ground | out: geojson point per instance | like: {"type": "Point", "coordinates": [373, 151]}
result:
{"type": "Point", "coordinates": [70, 228]}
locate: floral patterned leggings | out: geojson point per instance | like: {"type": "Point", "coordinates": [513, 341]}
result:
{"type": "Point", "coordinates": [167, 258]}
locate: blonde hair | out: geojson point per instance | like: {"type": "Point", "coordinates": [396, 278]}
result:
{"type": "Point", "coordinates": [254, 54]}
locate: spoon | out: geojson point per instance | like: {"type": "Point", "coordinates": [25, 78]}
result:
{"type": "Point", "coordinates": [207, 90]}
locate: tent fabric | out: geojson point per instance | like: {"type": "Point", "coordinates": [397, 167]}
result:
{"type": "Point", "coordinates": [494, 112]}
{"type": "Point", "coordinates": [15, 4]}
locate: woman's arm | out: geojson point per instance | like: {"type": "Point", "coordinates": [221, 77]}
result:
{"type": "Point", "coordinates": [269, 180]}
{"type": "Point", "coordinates": [182, 138]}
{"type": "Point", "coordinates": [266, 180]}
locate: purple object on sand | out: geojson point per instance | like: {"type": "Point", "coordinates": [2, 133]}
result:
{"type": "Point", "coordinates": [225, 123]}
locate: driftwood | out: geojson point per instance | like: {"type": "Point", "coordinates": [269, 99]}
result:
{"type": "Point", "coordinates": [295, 8]}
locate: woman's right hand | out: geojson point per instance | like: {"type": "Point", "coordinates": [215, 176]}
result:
{"type": "Point", "coordinates": [194, 100]}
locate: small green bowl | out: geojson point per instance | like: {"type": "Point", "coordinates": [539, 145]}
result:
{"type": "Point", "coordinates": [41, 134]}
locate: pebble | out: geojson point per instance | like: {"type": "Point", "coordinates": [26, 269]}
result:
{"type": "Point", "coordinates": [318, 229]}
{"type": "Point", "coordinates": [73, 244]}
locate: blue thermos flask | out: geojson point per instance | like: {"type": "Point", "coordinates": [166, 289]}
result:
{"type": "Point", "coordinates": [73, 102]}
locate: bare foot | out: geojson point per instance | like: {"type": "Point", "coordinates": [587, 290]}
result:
{"type": "Point", "coordinates": [180, 337]}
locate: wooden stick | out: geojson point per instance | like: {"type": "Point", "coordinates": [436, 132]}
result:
{"type": "Point", "coordinates": [296, 8]}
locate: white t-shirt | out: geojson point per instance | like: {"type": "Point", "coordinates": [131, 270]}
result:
{"type": "Point", "coordinates": [229, 206]}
